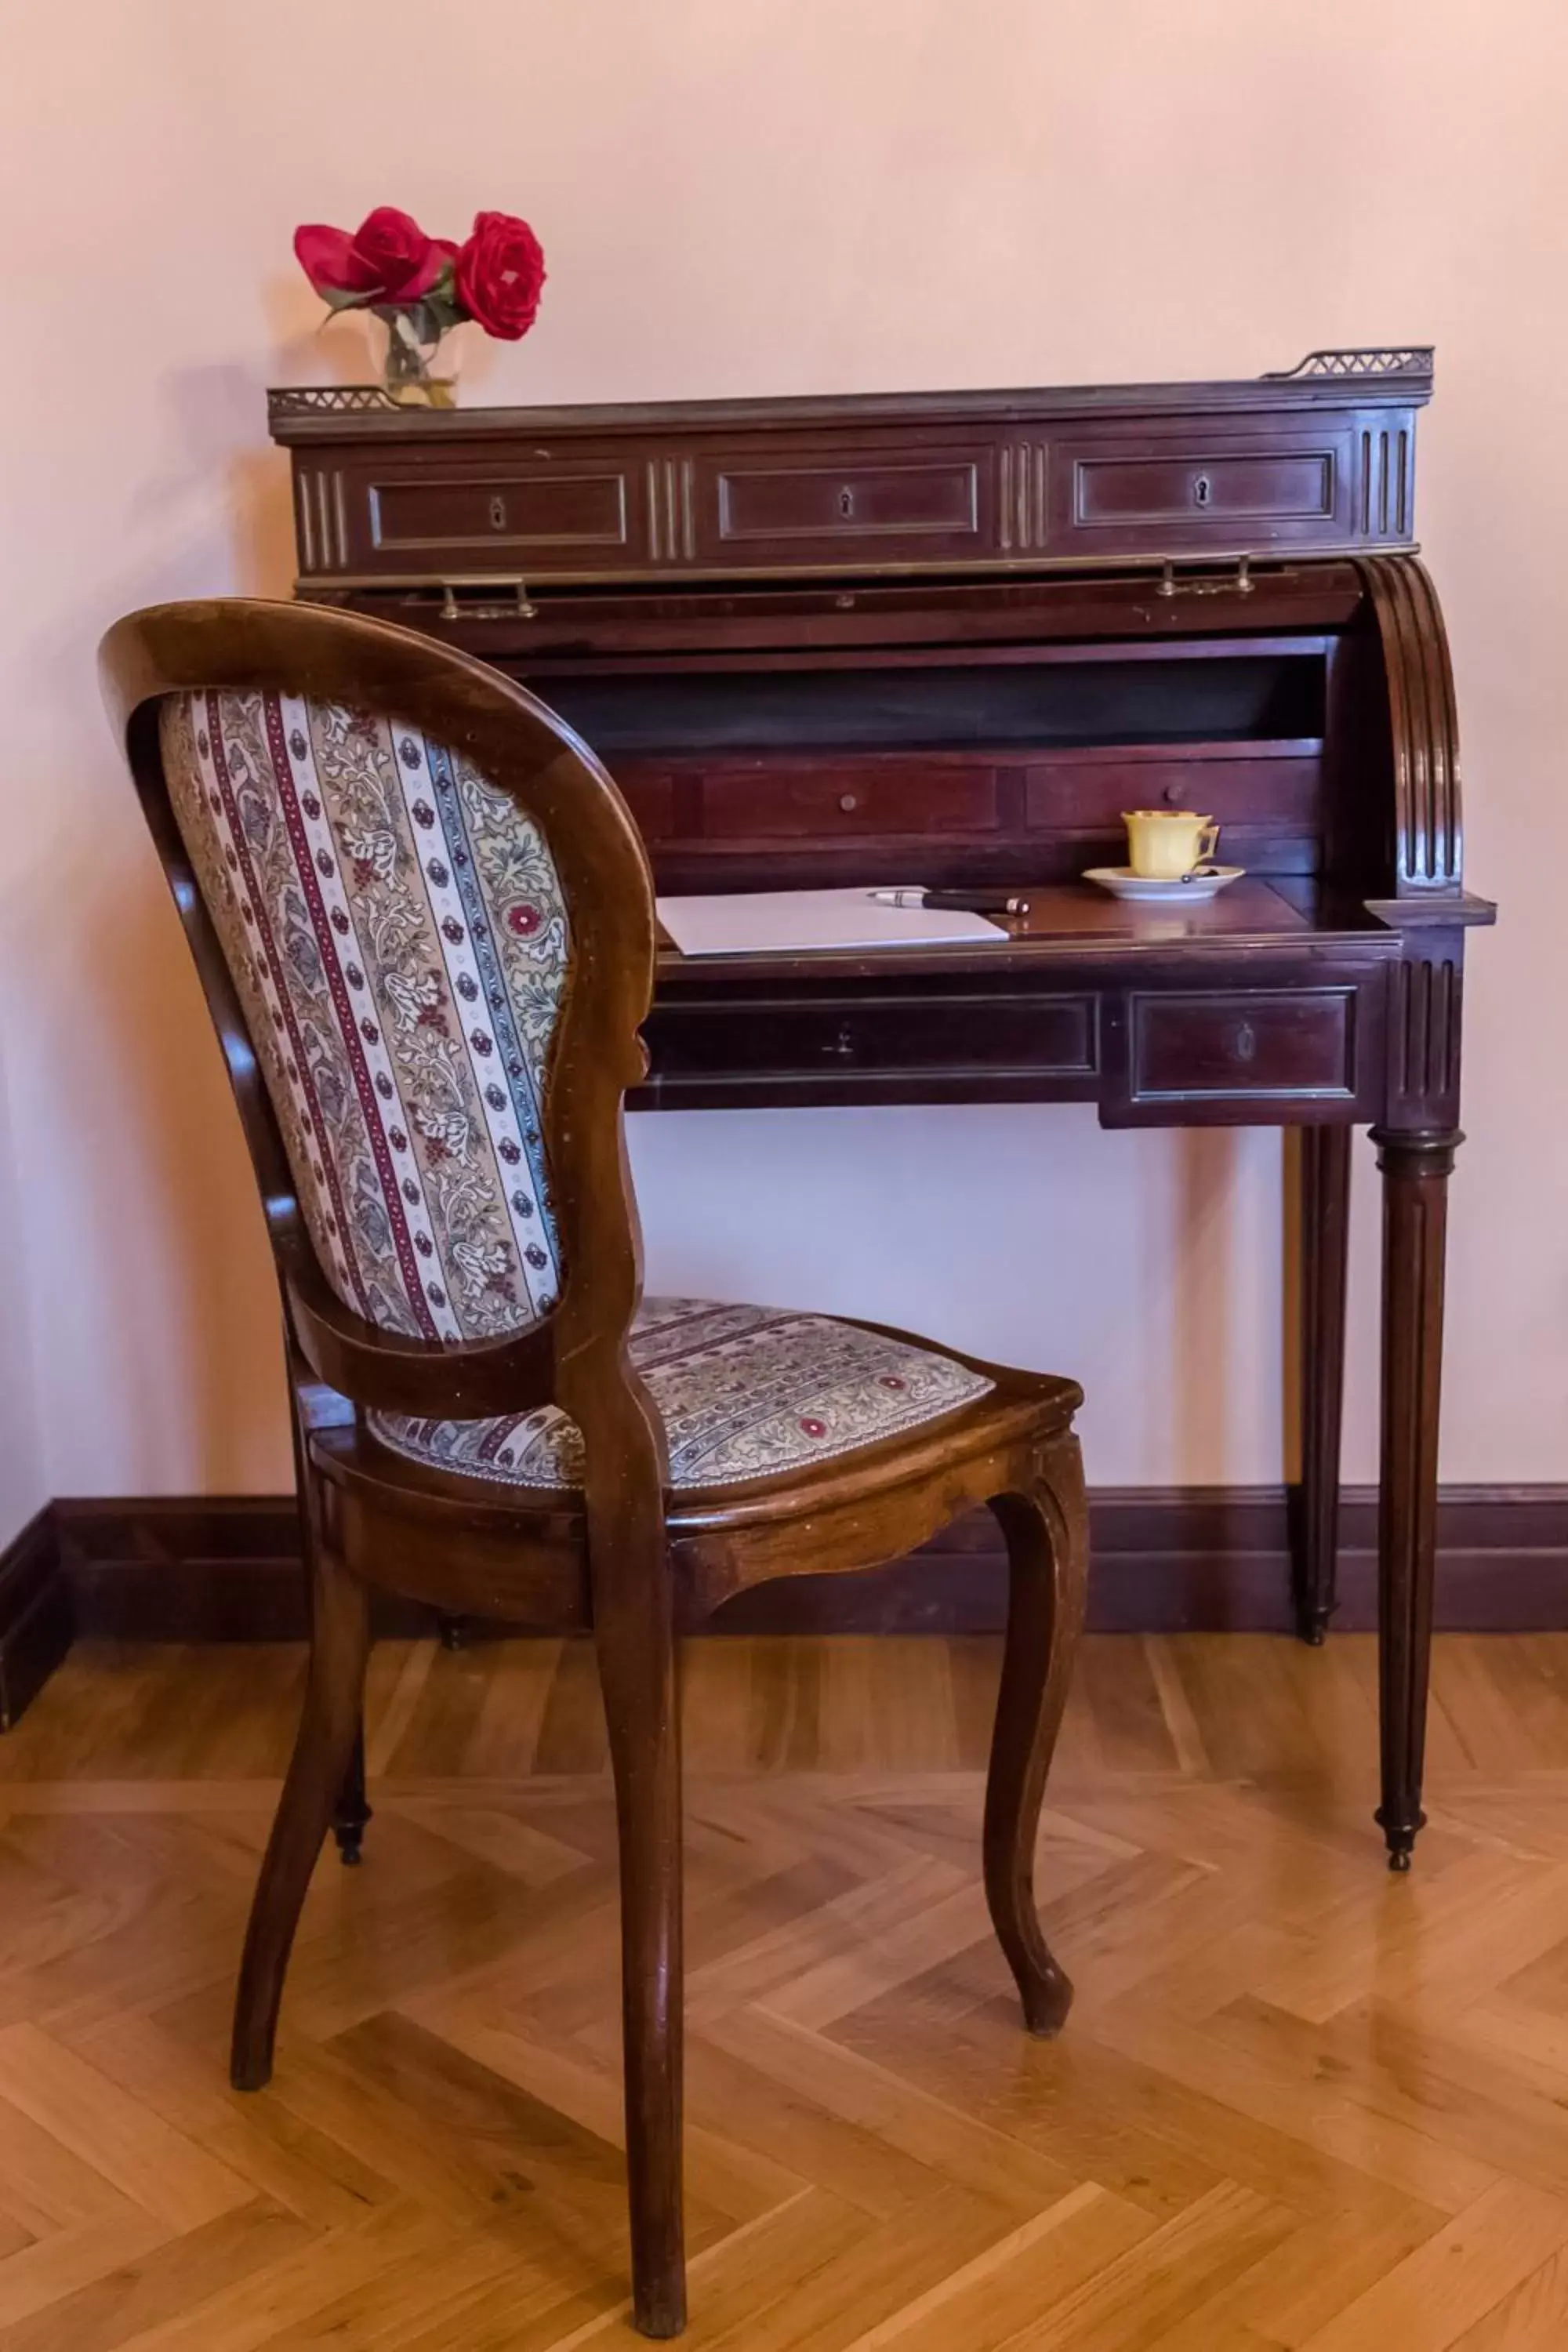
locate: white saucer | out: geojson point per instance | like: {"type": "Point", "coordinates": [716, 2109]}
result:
{"type": "Point", "coordinates": [1186, 891]}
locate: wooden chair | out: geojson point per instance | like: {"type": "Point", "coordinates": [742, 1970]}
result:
{"type": "Point", "coordinates": [425, 923]}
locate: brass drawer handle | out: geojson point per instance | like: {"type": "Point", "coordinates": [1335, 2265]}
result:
{"type": "Point", "coordinates": [1238, 583]}
{"type": "Point", "coordinates": [520, 609]}
{"type": "Point", "coordinates": [842, 1047]}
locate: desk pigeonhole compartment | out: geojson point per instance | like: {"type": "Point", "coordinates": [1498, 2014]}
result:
{"type": "Point", "coordinates": [986, 765]}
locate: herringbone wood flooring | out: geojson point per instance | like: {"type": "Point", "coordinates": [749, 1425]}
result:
{"type": "Point", "coordinates": [1299, 2102]}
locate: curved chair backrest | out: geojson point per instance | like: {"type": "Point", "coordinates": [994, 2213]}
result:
{"type": "Point", "coordinates": [424, 920]}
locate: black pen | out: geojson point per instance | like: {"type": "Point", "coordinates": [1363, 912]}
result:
{"type": "Point", "coordinates": [968, 902]}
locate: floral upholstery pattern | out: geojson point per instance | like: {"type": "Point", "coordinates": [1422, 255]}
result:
{"type": "Point", "coordinates": [744, 1391]}
{"type": "Point", "coordinates": [396, 932]}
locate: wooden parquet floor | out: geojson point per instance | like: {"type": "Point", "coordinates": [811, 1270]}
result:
{"type": "Point", "coordinates": [1299, 2104]}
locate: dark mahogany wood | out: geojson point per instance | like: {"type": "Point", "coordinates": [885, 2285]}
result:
{"type": "Point", "coordinates": [1319, 458]}
{"type": "Point", "coordinates": [1324, 1209]}
{"type": "Point", "coordinates": [628, 1557]}
{"type": "Point", "coordinates": [351, 1810]}
{"type": "Point", "coordinates": [319, 1768]}
{"type": "Point", "coordinates": [1045, 1616]}
{"type": "Point", "coordinates": [1416, 1171]}
{"type": "Point", "coordinates": [949, 638]}
{"type": "Point", "coordinates": [1295, 1045]}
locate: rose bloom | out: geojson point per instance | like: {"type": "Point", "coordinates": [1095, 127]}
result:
{"type": "Point", "coordinates": [388, 259]}
{"type": "Point", "coordinates": [500, 274]}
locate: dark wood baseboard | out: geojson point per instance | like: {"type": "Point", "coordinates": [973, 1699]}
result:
{"type": "Point", "coordinates": [1165, 1559]}
{"type": "Point", "coordinates": [37, 1619]}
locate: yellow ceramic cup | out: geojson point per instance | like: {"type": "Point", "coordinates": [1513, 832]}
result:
{"type": "Point", "coordinates": [1164, 844]}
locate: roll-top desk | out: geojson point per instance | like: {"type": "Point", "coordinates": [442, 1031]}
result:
{"type": "Point", "coordinates": [947, 638]}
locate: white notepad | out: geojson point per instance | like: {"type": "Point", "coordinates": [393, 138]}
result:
{"type": "Point", "coordinates": [752, 922]}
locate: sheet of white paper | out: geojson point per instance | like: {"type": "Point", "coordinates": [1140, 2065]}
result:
{"type": "Point", "coordinates": [750, 922]}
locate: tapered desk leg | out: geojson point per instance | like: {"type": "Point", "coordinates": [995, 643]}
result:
{"type": "Point", "coordinates": [1325, 1236]}
{"type": "Point", "coordinates": [1416, 1171]}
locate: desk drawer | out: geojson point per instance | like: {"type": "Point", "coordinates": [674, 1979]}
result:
{"type": "Point", "coordinates": [895, 1045]}
{"type": "Point", "coordinates": [1230, 488]}
{"type": "Point", "coordinates": [806, 500]}
{"type": "Point", "coordinates": [506, 514]}
{"type": "Point", "coordinates": [858, 498]}
{"type": "Point", "coordinates": [483, 518]}
{"type": "Point", "coordinates": [1263, 488]}
{"type": "Point", "coordinates": [1246, 1047]}
{"type": "Point", "coordinates": [827, 802]}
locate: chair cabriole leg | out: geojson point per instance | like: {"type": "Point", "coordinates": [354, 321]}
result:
{"type": "Point", "coordinates": [1048, 1552]}
{"type": "Point", "coordinates": [328, 1728]}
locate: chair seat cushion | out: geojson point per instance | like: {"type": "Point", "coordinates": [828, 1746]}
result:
{"type": "Point", "coordinates": [745, 1392]}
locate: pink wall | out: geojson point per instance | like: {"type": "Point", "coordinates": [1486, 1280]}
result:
{"type": "Point", "coordinates": [759, 195]}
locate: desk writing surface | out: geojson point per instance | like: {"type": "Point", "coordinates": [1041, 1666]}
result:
{"type": "Point", "coordinates": [1266, 1002]}
{"type": "Point", "coordinates": [1061, 917]}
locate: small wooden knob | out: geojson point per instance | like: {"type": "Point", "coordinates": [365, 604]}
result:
{"type": "Point", "coordinates": [849, 802]}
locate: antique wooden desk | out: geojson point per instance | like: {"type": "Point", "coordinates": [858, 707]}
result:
{"type": "Point", "coordinates": [948, 638]}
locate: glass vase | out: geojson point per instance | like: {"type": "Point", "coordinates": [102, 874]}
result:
{"type": "Point", "coordinates": [416, 371]}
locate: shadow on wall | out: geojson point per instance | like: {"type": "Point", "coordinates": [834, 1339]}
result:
{"type": "Point", "coordinates": [1203, 1274]}
{"type": "Point", "coordinates": [22, 1485]}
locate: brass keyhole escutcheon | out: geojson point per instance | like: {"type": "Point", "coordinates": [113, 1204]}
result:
{"type": "Point", "coordinates": [498, 514]}
{"type": "Point", "coordinates": [1202, 490]}
{"type": "Point", "coordinates": [846, 503]}
{"type": "Point", "coordinates": [1245, 1042]}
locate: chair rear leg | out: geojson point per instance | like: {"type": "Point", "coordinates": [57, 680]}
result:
{"type": "Point", "coordinates": [323, 1752]}
{"type": "Point", "coordinates": [352, 1811]}
{"type": "Point", "coordinates": [1047, 1556]}
{"type": "Point", "coordinates": [636, 1667]}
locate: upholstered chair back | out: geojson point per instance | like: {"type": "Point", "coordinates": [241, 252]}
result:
{"type": "Point", "coordinates": [424, 920]}
{"type": "Point", "coordinates": [398, 936]}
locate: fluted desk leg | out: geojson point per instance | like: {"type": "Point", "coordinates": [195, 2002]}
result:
{"type": "Point", "coordinates": [1415, 1170]}
{"type": "Point", "coordinates": [1324, 1249]}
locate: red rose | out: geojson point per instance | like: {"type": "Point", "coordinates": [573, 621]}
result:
{"type": "Point", "coordinates": [388, 259]}
{"type": "Point", "coordinates": [501, 273]}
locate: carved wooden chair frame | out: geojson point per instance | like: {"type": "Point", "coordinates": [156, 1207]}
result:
{"type": "Point", "coordinates": [627, 1559]}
